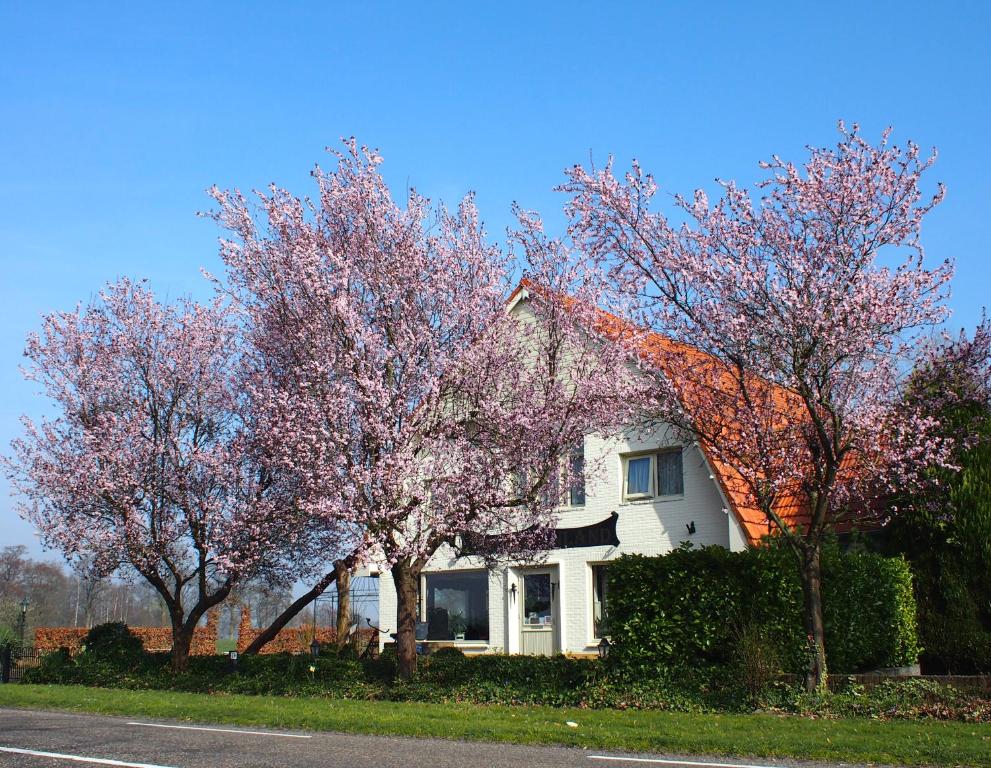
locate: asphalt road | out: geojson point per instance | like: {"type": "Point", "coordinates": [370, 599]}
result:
{"type": "Point", "coordinates": [31, 739]}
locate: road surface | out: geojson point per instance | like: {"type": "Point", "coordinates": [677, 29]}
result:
{"type": "Point", "coordinates": [33, 739]}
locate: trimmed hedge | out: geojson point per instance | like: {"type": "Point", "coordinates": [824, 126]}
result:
{"type": "Point", "coordinates": [690, 608]}
{"type": "Point", "coordinates": [510, 680]}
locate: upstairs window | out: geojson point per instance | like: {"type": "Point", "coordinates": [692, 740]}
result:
{"type": "Point", "coordinates": [653, 475]}
{"type": "Point", "coordinates": [670, 477]}
{"type": "Point", "coordinates": [576, 476]}
{"type": "Point", "coordinates": [638, 480]}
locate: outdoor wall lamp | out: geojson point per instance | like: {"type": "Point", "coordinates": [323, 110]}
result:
{"type": "Point", "coordinates": [691, 527]}
{"type": "Point", "coordinates": [512, 593]}
{"type": "Point", "coordinates": [603, 647]}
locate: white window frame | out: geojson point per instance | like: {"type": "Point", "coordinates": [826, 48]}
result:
{"type": "Point", "coordinates": [652, 493]}
{"type": "Point", "coordinates": [625, 479]}
{"type": "Point", "coordinates": [592, 565]}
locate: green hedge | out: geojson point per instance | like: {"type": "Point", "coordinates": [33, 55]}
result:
{"type": "Point", "coordinates": [691, 607]}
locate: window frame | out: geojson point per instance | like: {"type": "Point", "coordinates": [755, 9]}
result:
{"type": "Point", "coordinates": [592, 566]}
{"type": "Point", "coordinates": [425, 600]}
{"type": "Point", "coordinates": [573, 454]}
{"type": "Point", "coordinates": [657, 469]}
{"type": "Point", "coordinates": [625, 478]}
{"type": "Point", "coordinates": [653, 493]}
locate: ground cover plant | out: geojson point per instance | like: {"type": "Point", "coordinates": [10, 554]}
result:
{"type": "Point", "coordinates": [861, 740]}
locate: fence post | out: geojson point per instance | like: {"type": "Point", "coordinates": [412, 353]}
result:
{"type": "Point", "coordinates": [5, 663]}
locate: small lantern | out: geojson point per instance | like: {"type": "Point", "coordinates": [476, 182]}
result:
{"type": "Point", "coordinates": [24, 606]}
{"type": "Point", "coordinates": [603, 647]}
{"type": "Point", "coordinates": [232, 660]}
{"type": "Point", "coordinates": [315, 648]}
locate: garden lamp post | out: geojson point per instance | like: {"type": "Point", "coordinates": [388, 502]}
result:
{"type": "Point", "coordinates": [24, 618]}
{"type": "Point", "coordinates": [315, 647]}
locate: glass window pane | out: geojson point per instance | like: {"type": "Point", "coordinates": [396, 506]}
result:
{"type": "Point", "coordinates": [458, 606]}
{"type": "Point", "coordinates": [577, 476]}
{"type": "Point", "coordinates": [638, 476]}
{"type": "Point", "coordinates": [670, 478]}
{"type": "Point", "coordinates": [537, 599]}
{"type": "Point", "coordinates": [600, 598]}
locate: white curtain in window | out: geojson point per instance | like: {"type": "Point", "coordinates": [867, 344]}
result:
{"type": "Point", "coordinates": [638, 476]}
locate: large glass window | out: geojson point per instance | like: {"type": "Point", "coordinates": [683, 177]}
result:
{"type": "Point", "coordinates": [457, 606]}
{"type": "Point", "coordinates": [670, 478]}
{"type": "Point", "coordinates": [600, 599]}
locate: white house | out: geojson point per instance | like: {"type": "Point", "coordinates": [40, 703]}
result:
{"type": "Point", "coordinates": [648, 495]}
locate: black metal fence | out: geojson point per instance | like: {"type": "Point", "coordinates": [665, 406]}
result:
{"type": "Point", "coordinates": [14, 660]}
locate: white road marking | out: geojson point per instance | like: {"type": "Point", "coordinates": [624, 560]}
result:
{"type": "Point", "coordinates": [78, 758]}
{"type": "Point", "coordinates": [669, 761]}
{"type": "Point", "coordinates": [224, 730]}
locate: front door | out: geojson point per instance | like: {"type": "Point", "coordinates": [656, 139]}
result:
{"type": "Point", "coordinates": [537, 622]}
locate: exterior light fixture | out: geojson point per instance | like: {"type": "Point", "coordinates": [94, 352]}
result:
{"type": "Point", "coordinates": [232, 660]}
{"type": "Point", "coordinates": [691, 527]}
{"type": "Point", "coordinates": [315, 648]}
{"type": "Point", "coordinates": [24, 618]}
{"type": "Point", "coordinates": [603, 648]}
{"type": "Point", "coordinates": [512, 593]}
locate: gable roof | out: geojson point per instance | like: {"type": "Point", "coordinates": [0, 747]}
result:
{"type": "Point", "coordinates": [666, 354]}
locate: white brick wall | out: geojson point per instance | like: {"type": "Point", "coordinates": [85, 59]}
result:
{"type": "Point", "coordinates": [644, 527]}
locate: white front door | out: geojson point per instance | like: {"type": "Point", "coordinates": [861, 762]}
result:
{"type": "Point", "coordinates": [538, 619]}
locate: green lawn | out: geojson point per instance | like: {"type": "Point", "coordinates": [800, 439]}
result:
{"type": "Point", "coordinates": [860, 741]}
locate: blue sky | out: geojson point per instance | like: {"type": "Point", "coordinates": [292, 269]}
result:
{"type": "Point", "coordinates": [114, 120]}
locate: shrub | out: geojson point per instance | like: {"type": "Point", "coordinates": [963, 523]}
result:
{"type": "Point", "coordinates": [684, 610]}
{"type": "Point", "coordinates": [113, 642]}
{"type": "Point", "coordinates": [447, 650]}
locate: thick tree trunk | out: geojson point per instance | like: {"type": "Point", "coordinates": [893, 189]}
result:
{"type": "Point", "coordinates": [815, 674]}
{"type": "Point", "coordinates": [405, 578]}
{"type": "Point", "coordinates": [341, 636]}
{"type": "Point", "coordinates": [273, 629]}
{"type": "Point", "coordinates": [182, 640]}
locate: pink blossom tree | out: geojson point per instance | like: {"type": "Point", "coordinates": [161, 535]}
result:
{"type": "Point", "coordinates": [791, 322]}
{"type": "Point", "coordinates": [416, 410]}
{"type": "Point", "coordinates": [148, 462]}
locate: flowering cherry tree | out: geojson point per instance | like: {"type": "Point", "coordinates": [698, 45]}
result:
{"type": "Point", "coordinates": [416, 411]}
{"type": "Point", "coordinates": [790, 320]}
{"type": "Point", "coordinates": [148, 462]}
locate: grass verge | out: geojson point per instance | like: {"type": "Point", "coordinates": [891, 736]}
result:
{"type": "Point", "coordinates": [859, 741]}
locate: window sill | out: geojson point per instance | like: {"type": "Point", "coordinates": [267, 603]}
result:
{"type": "Point", "coordinates": [651, 500]}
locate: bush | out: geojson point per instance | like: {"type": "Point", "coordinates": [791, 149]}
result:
{"type": "Point", "coordinates": [113, 642]}
{"type": "Point", "coordinates": [686, 609]}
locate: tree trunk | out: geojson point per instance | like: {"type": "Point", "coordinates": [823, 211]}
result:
{"type": "Point", "coordinates": [182, 640]}
{"type": "Point", "coordinates": [815, 674]}
{"type": "Point", "coordinates": [341, 636]}
{"type": "Point", "coordinates": [297, 605]}
{"type": "Point", "coordinates": [405, 578]}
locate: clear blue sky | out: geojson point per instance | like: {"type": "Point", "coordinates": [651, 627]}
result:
{"type": "Point", "coordinates": [115, 119]}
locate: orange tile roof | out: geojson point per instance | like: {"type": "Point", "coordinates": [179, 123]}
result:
{"type": "Point", "coordinates": [666, 353]}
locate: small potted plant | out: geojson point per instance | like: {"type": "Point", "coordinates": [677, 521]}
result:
{"type": "Point", "coordinates": [458, 626]}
